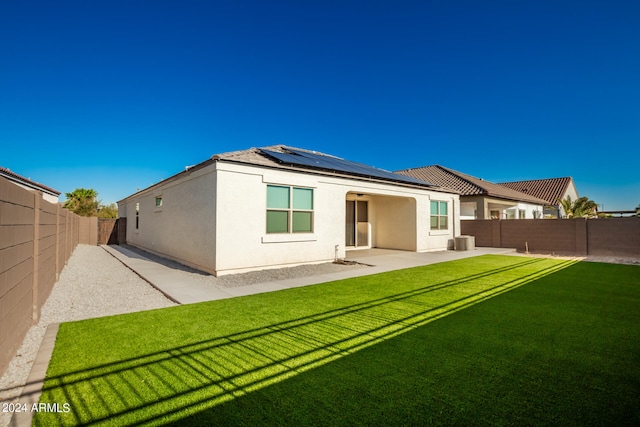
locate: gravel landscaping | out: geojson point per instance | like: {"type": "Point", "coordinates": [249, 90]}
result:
{"type": "Point", "coordinates": [92, 284]}
{"type": "Point", "coordinates": [95, 284]}
{"type": "Point", "coordinates": [251, 278]}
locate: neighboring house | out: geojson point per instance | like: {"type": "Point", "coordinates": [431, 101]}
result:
{"type": "Point", "coordinates": [48, 193]}
{"type": "Point", "coordinates": [551, 190]}
{"type": "Point", "coordinates": [280, 206]}
{"type": "Point", "coordinates": [480, 199]}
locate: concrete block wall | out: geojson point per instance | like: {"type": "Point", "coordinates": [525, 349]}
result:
{"type": "Point", "coordinates": [36, 240]}
{"type": "Point", "coordinates": [608, 236]}
{"type": "Point", "coordinates": [539, 235]}
{"type": "Point", "coordinates": [17, 208]}
{"type": "Point", "coordinates": [483, 232]}
{"type": "Point", "coordinates": [88, 229]}
{"type": "Point", "coordinates": [615, 236]}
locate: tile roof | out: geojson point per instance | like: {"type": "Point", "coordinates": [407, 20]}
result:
{"type": "Point", "coordinates": [550, 190]}
{"type": "Point", "coordinates": [12, 176]}
{"type": "Point", "coordinates": [467, 185]}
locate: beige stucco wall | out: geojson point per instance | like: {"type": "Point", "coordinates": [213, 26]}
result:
{"type": "Point", "coordinates": [215, 218]}
{"type": "Point", "coordinates": [483, 205]}
{"type": "Point", "coordinates": [571, 192]}
{"type": "Point", "coordinates": [183, 228]}
{"type": "Point", "coordinates": [394, 220]}
{"type": "Point", "coordinates": [431, 240]}
{"type": "Point", "coordinates": [399, 218]}
{"type": "Point", "coordinates": [243, 243]}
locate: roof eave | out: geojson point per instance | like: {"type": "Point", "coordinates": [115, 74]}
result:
{"type": "Point", "coordinates": [18, 179]}
{"type": "Point", "coordinates": [323, 172]}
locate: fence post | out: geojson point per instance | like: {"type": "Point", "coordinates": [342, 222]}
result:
{"type": "Point", "coordinates": [496, 233]}
{"type": "Point", "coordinates": [57, 241]}
{"type": "Point", "coordinates": [581, 236]}
{"type": "Point", "coordinates": [67, 233]}
{"type": "Point", "coordinates": [36, 257]}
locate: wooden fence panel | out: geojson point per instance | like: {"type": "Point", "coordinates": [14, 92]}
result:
{"type": "Point", "coordinates": [107, 231]}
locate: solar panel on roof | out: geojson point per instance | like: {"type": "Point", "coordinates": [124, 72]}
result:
{"type": "Point", "coordinates": [304, 158]}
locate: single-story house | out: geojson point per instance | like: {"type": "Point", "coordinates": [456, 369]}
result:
{"type": "Point", "coordinates": [481, 199]}
{"type": "Point", "coordinates": [551, 190]}
{"type": "Point", "coordinates": [281, 206]}
{"type": "Point", "coordinates": [48, 193]}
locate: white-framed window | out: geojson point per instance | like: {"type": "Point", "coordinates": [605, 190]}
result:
{"type": "Point", "coordinates": [289, 209]}
{"type": "Point", "coordinates": [137, 216]}
{"type": "Point", "coordinates": [158, 201]}
{"type": "Point", "coordinates": [439, 215]}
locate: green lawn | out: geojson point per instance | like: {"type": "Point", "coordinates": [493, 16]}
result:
{"type": "Point", "coordinates": [561, 347]}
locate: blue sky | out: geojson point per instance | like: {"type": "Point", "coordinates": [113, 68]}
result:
{"type": "Point", "coordinates": [118, 95]}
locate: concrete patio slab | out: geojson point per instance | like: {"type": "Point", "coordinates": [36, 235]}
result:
{"type": "Point", "coordinates": [258, 288]}
{"type": "Point", "coordinates": [171, 282]}
{"type": "Point", "coordinates": [182, 289]}
{"type": "Point", "coordinates": [388, 260]}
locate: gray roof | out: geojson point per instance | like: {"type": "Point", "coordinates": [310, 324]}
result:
{"type": "Point", "coordinates": [260, 157]}
{"type": "Point", "coordinates": [282, 156]}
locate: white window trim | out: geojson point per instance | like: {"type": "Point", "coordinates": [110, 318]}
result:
{"type": "Point", "coordinates": [289, 237]}
{"type": "Point", "coordinates": [291, 210]}
{"type": "Point", "coordinates": [438, 231]}
{"type": "Point", "coordinates": [137, 217]}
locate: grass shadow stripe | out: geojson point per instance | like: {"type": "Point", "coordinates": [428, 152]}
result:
{"type": "Point", "coordinates": [278, 351]}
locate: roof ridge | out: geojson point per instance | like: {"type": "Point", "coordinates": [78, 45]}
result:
{"type": "Point", "coordinates": [460, 175]}
{"type": "Point", "coordinates": [17, 176]}
{"type": "Point", "coordinates": [533, 180]}
{"type": "Point", "coordinates": [418, 167]}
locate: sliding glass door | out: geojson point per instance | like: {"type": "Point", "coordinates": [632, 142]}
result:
{"type": "Point", "coordinates": [357, 223]}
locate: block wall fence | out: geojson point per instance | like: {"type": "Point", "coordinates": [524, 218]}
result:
{"type": "Point", "coordinates": [602, 236]}
{"type": "Point", "coordinates": [36, 240]}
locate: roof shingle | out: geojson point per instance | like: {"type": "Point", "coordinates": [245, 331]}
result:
{"type": "Point", "coordinates": [260, 156]}
{"type": "Point", "coordinates": [551, 190]}
{"type": "Point", "coordinates": [467, 185]}
{"type": "Point", "coordinates": [256, 156]}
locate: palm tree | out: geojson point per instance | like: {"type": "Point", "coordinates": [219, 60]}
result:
{"type": "Point", "coordinates": [580, 208]}
{"type": "Point", "coordinates": [82, 201]}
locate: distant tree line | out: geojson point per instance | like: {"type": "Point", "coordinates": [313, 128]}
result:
{"type": "Point", "coordinates": [583, 207]}
{"type": "Point", "coordinates": [85, 202]}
